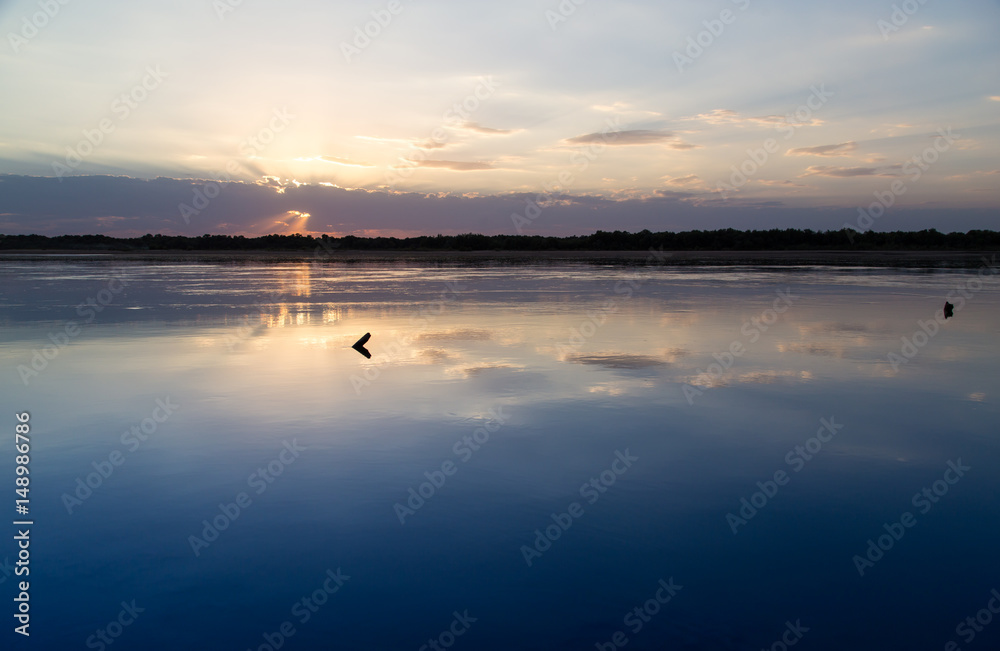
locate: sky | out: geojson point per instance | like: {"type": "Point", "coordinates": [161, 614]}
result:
{"type": "Point", "coordinates": [535, 117]}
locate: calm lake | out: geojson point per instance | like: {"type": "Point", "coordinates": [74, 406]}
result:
{"type": "Point", "coordinates": [570, 456]}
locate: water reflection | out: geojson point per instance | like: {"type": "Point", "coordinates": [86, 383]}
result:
{"type": "Point", "coordinates": [527, 380]}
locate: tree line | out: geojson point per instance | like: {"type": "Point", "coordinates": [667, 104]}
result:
{"type": "Point", "coordinates": [789, 239]}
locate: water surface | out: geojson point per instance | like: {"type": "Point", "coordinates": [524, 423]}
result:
{"type": "Point", "coordinates": [513, 399]}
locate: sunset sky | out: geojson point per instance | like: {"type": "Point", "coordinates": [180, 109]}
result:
{"type": "Point", "coordinates": [453, 117]}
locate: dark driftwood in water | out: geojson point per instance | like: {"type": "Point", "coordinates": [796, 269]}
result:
{"type": "Point", "coordinates": [359, 345]}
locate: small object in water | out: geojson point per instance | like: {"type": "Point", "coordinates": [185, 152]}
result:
{"type": "Point", "coordinates": [359, 345]}
{"type": "Point", "coordinates": [949, 310]}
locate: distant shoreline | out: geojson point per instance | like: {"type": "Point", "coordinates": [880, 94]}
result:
{"type": "Point", "coordinates": [904, 259]}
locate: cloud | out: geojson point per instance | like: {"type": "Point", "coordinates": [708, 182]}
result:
{"type": "Point", "coordinates": [430, 143]}
{"type": "Point", "coordinates": [812, 349]}
{"type": "Point", "coordinates": [771, 377]}
{"type": "Point", "coordinates": [973, 175]}
{"type": "Point", "coordinates": [475, 371]}
{"type": "Point", "coordinates": [892, 130]}
{"type": "Point", "coordinates": [780, 182]}
{"type": "Point", "coordinates": [456, 165]}
{"type": "Point", "coordinates": [690, 179]}
{"type": "Point", "coordinates": [729, 116]}
{"type": "Point", "coordinates": [963, 144]}
{"type": "Point", "coordinates": [436, 355]}
{"type": "Point", "coordinates": [623, 108]}
{"type": "Point", "coordinates": [478, 128]}
{"type": "Point", "coordinates": [457, 335]}
{"type": "Point", "coordinates": [630, 137]}
{"type": "Point", "coordinates": [123, 206]}
{"type": "Point", "coordinates": [617, 107]}
{"type": "Point", "coordinates": [840, 149]}
{"type": "Point", "coordinates": [832, 328]}
{"type": "Point", "coordinates": [750, 377]}
{"type": "Point", "coordinates": [272, 182]}
{"type": "Point", "coordinates": [718, 116]}
{"type": "Point", "coordinates": [617, 360]}
{"type": "Point", "coordinates": [336, 160]}
{"type": "Point", "coordinates": [687, 185]}
{"type": "Point", "coordinates": [670, 194]}
{"type": "Point", "coordinates": [850, 172]}
{"type": "Point", "coordinates": [380, 139]}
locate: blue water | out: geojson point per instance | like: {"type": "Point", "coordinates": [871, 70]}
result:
{"type": "Point", "coordinates": [575, 448]}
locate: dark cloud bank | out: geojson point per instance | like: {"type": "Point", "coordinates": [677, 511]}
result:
{"type": "Point", "coordinates": [125, 206]}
